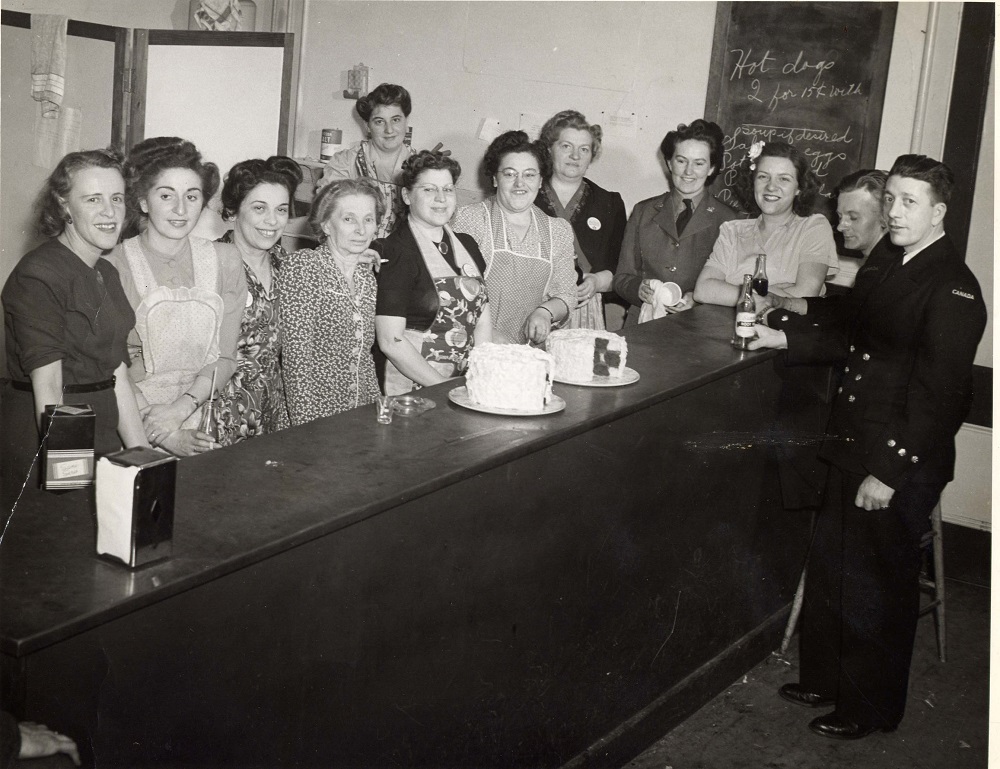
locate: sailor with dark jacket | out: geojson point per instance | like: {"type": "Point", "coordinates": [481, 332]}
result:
{"type": "Point", "coordinates": [906, 341]}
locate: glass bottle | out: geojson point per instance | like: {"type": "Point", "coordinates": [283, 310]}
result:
{"type": "Point", "coordinates": [760, 275]}
{"type": "Point", "coordinates": [209, 424]}
{"type": "Point", "coordinates": [746, 316]}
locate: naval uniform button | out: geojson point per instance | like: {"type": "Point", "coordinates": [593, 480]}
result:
{"type": "Point", "coordinates": [784, 318]}
{"type": "Point", "coordinates": [913, 458]}
{"type": "Point", "coordinates": [902, 452]}
{"type": "Point", "coordinates": [857, 377]}
{"type": "Point", "coordinates": [890, 443]}
{"type": "Point", "coordinates": [846, 369]}
{"type": "Point", "coordinates": [840, 390]}
{"type": "Point", "coordinates": [866, 356]}
{"type": "Point", "coordinates": [674, 268]}
{"type": "Point", "coordinates": [852, 348]}
{"type": "Point", "coordinates": [850, 399]}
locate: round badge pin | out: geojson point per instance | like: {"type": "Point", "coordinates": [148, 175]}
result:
{"type": "Point", "coordinates": [594, 223]}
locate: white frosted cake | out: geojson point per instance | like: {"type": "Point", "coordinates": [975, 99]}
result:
{"type": "Point", "coordinates": [509, 376]}
{"type": "Point", "coordinates": [582, 354]}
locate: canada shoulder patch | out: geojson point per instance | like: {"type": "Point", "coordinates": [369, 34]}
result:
{"type": "Point", "coordinates": [963, 294]}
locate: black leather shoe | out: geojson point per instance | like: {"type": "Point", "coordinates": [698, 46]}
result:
{"type": "Point", "coordinates": [839, 728]}
{"type": "Point", "coordinates": [795, 693]}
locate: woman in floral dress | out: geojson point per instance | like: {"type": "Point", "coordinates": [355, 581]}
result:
{"type": "Point", "coordinates": [431, 306]}
{"type": "Point", "coordinates": [328, 306]}
{"type": "Point", "coordinates": [257, 197]}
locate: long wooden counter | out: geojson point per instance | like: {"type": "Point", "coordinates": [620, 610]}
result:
{"type": "Point", "coordinates": [452, 590]}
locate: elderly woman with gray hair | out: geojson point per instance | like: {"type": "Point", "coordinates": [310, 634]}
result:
{"type": "Point", "coordinates": [328, 305]}
{"type": "Point", "coordinates": [596, 214]}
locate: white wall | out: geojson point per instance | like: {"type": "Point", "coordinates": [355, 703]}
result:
{"type": "Point", "coordinates": [657, 66]}
{"type": "Point", "coordinates": [463, 62]}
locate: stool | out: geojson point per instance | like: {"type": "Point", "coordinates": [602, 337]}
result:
{"type": "Point", "coordinates": [933, 583]}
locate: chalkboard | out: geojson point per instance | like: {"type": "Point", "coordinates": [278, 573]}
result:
{"type": "Point", "coordinates": [810, 74]}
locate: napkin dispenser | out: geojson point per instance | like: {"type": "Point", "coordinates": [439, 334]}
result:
{"type": "Point", "coordinates": [135, 505]}
{"type": "Point", "coordinates": [67, 455]}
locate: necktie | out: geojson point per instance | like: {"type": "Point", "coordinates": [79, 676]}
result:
{"type": "Point", "coordinates": [684, 216]}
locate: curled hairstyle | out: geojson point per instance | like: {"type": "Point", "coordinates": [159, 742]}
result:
{"type": "Point", "coordinates": [384, 95]}
{"type": "Point", "coordinates": [570, 118]}
{"type": "Point", "coordinates": [327, 198]}
{"type": "Point", "coordinates": [806, 179]}
{"type": "Point", "coordinates": [150, 158]}
{"type": "Point", "coordinates": [52, 214]}
{"type": "Point", "coordinates": [248, 174]}
{"type": "Point", "coordinates": [427, 160]}
{"type": "Point", "coordinates": [924, 169]}
{"type": "Point", "coordinates": [701, 131]}
{"type": "Point", "coordinates": [513, 142]}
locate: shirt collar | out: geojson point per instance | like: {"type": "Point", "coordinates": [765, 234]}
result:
{"type": "Point", "coordinates": [907, 256]}
{"type": "Point", "coordinates": [677, 200]}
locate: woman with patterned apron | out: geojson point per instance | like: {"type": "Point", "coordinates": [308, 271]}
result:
{"type": "Point", "coordinates": [596, 215]}
{"type": "Point", "coordinates": [530, 276]}
{"type": "Point", "coordinates": [432, 306]}
{"type": "Point", "coordinates": [187, 292]}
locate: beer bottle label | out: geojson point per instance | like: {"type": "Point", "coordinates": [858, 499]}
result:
{"type": "Point", "coordinates": [744, 324]}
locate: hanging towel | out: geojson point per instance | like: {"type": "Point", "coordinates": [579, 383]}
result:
{"type": "Point", "coordinates": [219, 15]}
{"type": "Point", "coordinates": [48, 61]}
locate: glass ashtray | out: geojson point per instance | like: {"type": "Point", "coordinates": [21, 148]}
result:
{"type": "Point", "coordinates": [411, 405]}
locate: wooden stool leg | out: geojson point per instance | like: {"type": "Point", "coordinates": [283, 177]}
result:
{"type": "Point", "coordinates": [938, 548]}
{"type": "Point", "coordinates": [793, 618]}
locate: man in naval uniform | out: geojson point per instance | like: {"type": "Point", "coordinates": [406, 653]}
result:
{"type": "Point", "coordinates": [906, 337]}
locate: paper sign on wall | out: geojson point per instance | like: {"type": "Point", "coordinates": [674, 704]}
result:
{"type": "Point", "coordinates": [489, 129]}
{"type": "Point", "coordinates": [621, 124]}
{"type": "Point", "coordinates": [532, 123]}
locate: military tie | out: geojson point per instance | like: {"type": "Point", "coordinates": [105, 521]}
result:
{"type": "Point", "coordinates": [684, 216]}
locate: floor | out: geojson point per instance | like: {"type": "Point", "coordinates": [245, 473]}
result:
{"type": "Point", "coordinates": [946, 723]}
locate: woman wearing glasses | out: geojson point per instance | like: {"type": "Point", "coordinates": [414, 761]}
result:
{"type": "Point", "coordinates": [431, 307]}
{"type": "Point", "coordinates": [530, 273]}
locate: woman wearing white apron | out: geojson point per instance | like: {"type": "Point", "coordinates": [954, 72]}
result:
{"type": "Point", "coordinates": [530, 275]}
{"type": "Point", "coordinates": [187, 292]}
{"type": "Point", "coordinates": [431, 307]}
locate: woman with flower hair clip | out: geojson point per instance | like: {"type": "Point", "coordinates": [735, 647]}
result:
{"type": "Point", "coordinates": [777, 183]}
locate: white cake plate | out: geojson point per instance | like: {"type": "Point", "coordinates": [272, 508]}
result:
{"type": "Point", "coordinates": [460, 397]}
{"type": "Point", "coordinates": [629, 376]}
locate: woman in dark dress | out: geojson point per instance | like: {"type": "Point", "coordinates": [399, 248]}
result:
{"type": "Point", "coordinates": [596, 214]}
{"type": "Point", "coordinates": [431, 307]}
{"type": "Point", "coordinates": [257, 197]}
{"type": "Point", "coordinates": [66, 318]}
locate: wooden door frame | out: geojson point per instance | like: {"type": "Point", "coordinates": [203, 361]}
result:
{"type": "Point", "coordinates": [143, 38]}
{"type": "Point", "coordinates": [966, 115]}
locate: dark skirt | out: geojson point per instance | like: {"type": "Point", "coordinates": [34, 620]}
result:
{"type": "Point", "coordinates": [19, 440]}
